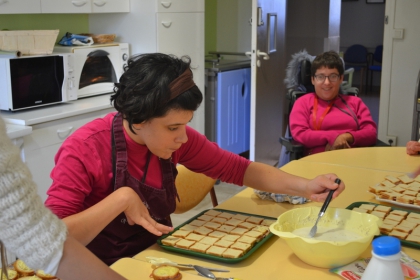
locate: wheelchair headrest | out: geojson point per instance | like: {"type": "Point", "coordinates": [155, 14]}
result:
{"type": "Point", "coordinates": [294, 76]}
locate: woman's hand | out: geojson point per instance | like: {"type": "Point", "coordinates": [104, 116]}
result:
{"type": "Point", "coordinates": [413, 147]}
{"type": "Point", "coordinates": [319, 187]}
{"type": "Point", "coordinates": [342, 141]}
{"type": "Point", "coordinates": [137, 213]}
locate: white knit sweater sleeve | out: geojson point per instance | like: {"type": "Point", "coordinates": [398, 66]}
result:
{"type": "Point", "coordinates": [27, 228]}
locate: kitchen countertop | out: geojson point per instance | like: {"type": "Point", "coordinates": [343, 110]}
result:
{"type": "Point", "coordinates": [15, 131]}
{"type": "Point", "coordinates": [57, 111]}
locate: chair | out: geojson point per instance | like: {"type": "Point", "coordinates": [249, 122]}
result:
{"type": "Point", "coordinates": [356, 57]}
{"type": "Point", "coordinates": [375, 64]}
{"type": "Point", "coordinates": [192, 187]}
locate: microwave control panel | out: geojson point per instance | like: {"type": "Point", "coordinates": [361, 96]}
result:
{"type": "Point", "coordinates": [70, 88]}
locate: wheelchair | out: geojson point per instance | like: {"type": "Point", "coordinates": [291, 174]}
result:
{"type": "Point", "coordinates": [298, 82]}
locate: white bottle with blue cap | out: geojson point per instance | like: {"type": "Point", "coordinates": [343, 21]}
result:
{"type": "Point", "coordinates": [385, 262]}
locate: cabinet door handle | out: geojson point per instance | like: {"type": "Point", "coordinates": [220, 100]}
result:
{"type": "Point", "coordinates": [167, 24]}
{"type": "Point", "coordinates": [79, 3]}
{"type": "Point", "coordinates": [99, 3]}
{"type": "Point", "coordinates": [64, 132]}
{"type": "Point", "coordinates": [3, 2]}
{"type": "Point", "coordinates": [166, 4]}
{"type": "Point", "coordinates": [243, 89]}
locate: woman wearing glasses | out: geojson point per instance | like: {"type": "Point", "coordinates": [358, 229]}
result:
{"type": "Point", "coordinates": [327, 120]}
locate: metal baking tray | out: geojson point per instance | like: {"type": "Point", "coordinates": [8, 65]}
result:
{"type": "Point", "coordinates": [403, 242]}
{"type": "Point", "coordinates": [211, 257]}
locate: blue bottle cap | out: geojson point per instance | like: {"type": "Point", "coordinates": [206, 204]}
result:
{"type": "Point", "coordinates": [386, 245]}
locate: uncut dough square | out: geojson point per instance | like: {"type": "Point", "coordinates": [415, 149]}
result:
{"type": "Point", "coordinates": [209, 240]}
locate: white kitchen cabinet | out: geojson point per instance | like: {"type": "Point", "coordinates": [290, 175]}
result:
{"type": "Point", "coordinates": [183, 34]}
{"type": "Point", "coordinates": [20, 6]}
{"type": "Point", "coordinates": [84, 6]}
{"type": "Point", "coordinates": [45, 140]}
{"type": "Point", "coordinates": [178, 30]}
{"type": "Point", "coordinates": [183, 6]}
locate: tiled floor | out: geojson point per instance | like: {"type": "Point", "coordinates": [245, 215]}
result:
{"type": "Point", "coordinates": [223, 192]}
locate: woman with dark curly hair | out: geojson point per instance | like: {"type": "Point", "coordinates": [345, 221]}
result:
{"type": "Point", "coordinates": [113, 182]}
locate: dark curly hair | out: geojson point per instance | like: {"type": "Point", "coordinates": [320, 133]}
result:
{"type": "Point", "coordinates": [143, 90]}
{"type": "Point", "coordinates": [329, 59]}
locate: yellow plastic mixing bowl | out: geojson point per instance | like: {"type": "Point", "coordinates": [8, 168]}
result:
{"type": "Point", "coordinates": [326, 254]}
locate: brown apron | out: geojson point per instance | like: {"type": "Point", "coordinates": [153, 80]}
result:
{"type": "Point", "coordinates": [119, 239]}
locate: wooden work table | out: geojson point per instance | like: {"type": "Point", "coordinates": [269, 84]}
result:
{"type": "Point", "coordinates": [274, 259]}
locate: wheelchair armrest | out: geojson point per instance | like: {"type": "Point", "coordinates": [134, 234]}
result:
{"type": "Point", "coordinates": [293, 147]}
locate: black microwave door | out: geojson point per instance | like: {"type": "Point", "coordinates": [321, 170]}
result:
{"type": "Point", "coordinates": [97, 69]}
{"type": "Point", "coordinates": [36, 80]}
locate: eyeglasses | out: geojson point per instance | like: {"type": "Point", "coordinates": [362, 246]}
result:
{"type": "Point", "coordinates": [332, 78]}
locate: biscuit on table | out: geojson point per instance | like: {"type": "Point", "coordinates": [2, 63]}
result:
{"type": "Point", "coordinates": [399, 213]}
{"type": "Point", "coordinates": [254, 220]}
{"type": "Point", "coordinates": [414, 184]}
{"type": "Point", "coordinates": [413, 238]}
{"type": "Point", "coordinates": [225, 228]}
{"type": "Point", "coordinates": [407, 199]}
{"type": "Point", "coordinates": [219, 220]}
{"type": "Point", "coordinates": [244, 247]}
{"type": "Point", "coordinates": [240, 217]}
{"type": "Point", "coordinates": [405, 179]}
{"type": "Point", "coordinates": [238, 231]}
{"type": "Point", "coordinates": [398, 234]}
{"type": "Point", "coordinates": [263, 229]}
{"type": "Point", "coordinates": [209, 240]}
{"type": "Point", "coordinates": [413, 215]}
{"type": "Point", "coordinates": [378, 214]}
{"type": "Point", "coordinates": [223, 243]}
{"type": "Point", "coordinates": [398, 189]}
{"type": "Point", "coordinates": [246, 225]}
{"type": "Point", "coordinates": [217, 234]}
{"type": "Point", "coordinates": [205, 218]}
{"type": "Point", "coordinates": [247, 239]}
{"type": "Point", "coordinates": [233, 222]}
{"type": "Point", "coordinates": [226, 215]}
{"type": "Point", "coordinates": [213, 213]}
{"type": "Point", "coordinates": [211, 225]}
{"type": "Point", "coordinates": [232, 253]}
{"type": "Point", "coordinates": [194, 236]}
{"type": "Point", "coordinates": [267, 222]}
{"type": "Point", "coordinates": [382, 208]}
{"type": "Point", "coordinates": [181, 233]}
{"type": "Point", "coordinates": [386, 228]}
{"type": "Point", "coordinates": [368, 207]}
{"type": "Point", "coordinates": [392, 179]}
{"type": "Point", "coordinates": [410, 192]}
{"type": "Point", "coordinates": [390, 222]}
{"type": "Point", "coordinates": [387, 183]}
{"type": "Point", "coordinates": [199, 247]}
{"type": "Point", "coordinates": [403, 228]}
{"type": "Point", "coordinates": [202, 230]}
{"type": "Point", "coordinates": [197, 223]}
{"type": "Point", "coordinates": [188, 227]}
{"type": "Point", "coordinates": [215, 251]}
{"type": "Point", "coordinates": [394, 217]}
{"type": "Point", "coordinates": [255, 234]}
{"type": "Point", "coordinates": [230, 237]}
{"type": "Point", "coordinates": [170, 240]}
{"type": "Point", "coordinates": [184, 244]}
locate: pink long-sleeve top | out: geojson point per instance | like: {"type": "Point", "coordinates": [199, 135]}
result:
{"type": "Point", "coordinates": [83, 165]}
{"type": "Point", "coordinates": [341, 118]}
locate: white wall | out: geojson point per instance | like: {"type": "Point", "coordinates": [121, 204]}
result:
{"type": "Point", "coordinates": [400, 69]}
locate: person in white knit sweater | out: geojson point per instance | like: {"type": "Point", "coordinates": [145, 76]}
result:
{"type": "Point", "coordinates": [31, 231]}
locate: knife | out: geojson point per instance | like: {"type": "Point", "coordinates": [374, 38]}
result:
{"type": "Point", "coordinates": [209, 268]}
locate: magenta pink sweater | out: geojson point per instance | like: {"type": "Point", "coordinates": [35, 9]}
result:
{"type": "Point", "coordinates": [339, 120]}
{"type": "Point", "coordinates": [83, 172]}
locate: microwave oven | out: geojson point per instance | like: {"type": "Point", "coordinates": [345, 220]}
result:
{"type": "Point", "coordinates": [97, 67]}
{"type": "Point", "coordinates": [37, 80]}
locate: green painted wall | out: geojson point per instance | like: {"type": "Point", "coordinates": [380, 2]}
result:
{"type": "Point", "coordinates": [74, 23]}
{"type": "Point", "coordinates": [210, 26]}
